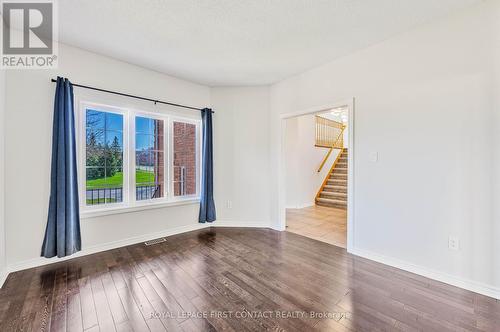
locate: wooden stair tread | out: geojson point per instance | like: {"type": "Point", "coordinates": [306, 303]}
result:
{"type": "Point", "coordinates": [331, 201]}
{"type": "Point", "coordinates": [334, 193]}
{"type": "Point", "coordinates": [329, 186]}
{"type": "Point", "coordinates": [336, 181]}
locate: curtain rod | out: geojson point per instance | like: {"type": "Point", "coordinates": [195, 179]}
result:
{"type": "Point", "coordinates": [133, 96]}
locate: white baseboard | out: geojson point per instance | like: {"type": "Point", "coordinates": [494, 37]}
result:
{"type": "Point", "coordinates": [3, 277]}
{"type": "Point", "coordinates": [39, 261]}
{"type": "Point", "coordinates": [467, 284]}
{"type": "Point", "coordinates": [230, 223]}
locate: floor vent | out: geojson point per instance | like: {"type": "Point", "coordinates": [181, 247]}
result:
{"type": "Point", "coordinates": [155, 241]}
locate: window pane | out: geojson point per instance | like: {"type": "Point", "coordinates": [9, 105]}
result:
{"type": "Point", "coordinates": [148, 126]}
{"type": "Point", "coordinates": [142, 125]}
{"type": "Point", "coordinates": [104, 158]}
{"type": "Point", "coordinates": [143, 159]}
{"type": "Point", "coordinates": [95, 137]}
{"type": "Point", "coordinates": [156, 127]}
{"type": "Point", "coordinates": [114, 138]}
{"type": "Point", "coordinates": [114, 122]}
{"type": "Point", "coordinates": [149, 158]}
{"type": "Point", "coordinates": [95, 119]}
{"type": "Point", "coordinates": [184, 172]}
{"type": "Point", "coordinates": [144, 142]}
{"type": "Point", "coordinates": [95, 156]}
{"type": "Point", "coordinates": [114, 158]}
{"type": "Point", "coordinates": [102, 189]}
{"type": "Point", "coordinates": [95, 176]}
{"type": "Point", "coordinates": [95, 184]}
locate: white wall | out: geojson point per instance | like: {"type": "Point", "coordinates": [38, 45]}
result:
{"type": "Point", "coordinates": [425, 100]}
{"type": "Point", "coordinates": [495, 124]}
{"type": "Point", "coordinates": [2, 178]}
{"type": "Point", "coordinates": [302, 160]}
{"type": "Point", "coordinates": [29, 110]}
{"type": "Point", "coordinates": [241, 155]}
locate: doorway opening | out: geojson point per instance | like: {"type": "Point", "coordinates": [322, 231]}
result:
{"type": "Point", "coordinates": [317, 182]}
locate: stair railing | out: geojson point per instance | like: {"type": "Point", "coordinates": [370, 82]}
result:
{"type": "Point", "coordinates": [338, 143]}
{"type": "Point", "coordinates": [327, 131]}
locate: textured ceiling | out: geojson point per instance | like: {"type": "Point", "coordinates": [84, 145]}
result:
{"type": "Point", "coordinates": [238, 42]}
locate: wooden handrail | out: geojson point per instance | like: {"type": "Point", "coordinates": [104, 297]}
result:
{"type": "Point", "coordinates": [334, 145]}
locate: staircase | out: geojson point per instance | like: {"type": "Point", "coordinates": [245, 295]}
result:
{"type": "Point", "coordinates": [333, 192]}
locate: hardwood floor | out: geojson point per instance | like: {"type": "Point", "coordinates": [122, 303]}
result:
{"type": "Point", "coordinates": [229, 279]}
{"type": "Point", "coordinates": [321, 223]}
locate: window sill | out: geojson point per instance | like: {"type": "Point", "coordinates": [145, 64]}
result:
{"type": "Point", "coordinates": [87, 214]}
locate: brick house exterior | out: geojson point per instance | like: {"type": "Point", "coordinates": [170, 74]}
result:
{"type": "Point", "coordinates": [184, 177]}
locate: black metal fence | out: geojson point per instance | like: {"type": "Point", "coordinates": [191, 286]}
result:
{"type": "Point", "coordinates": [97, 196]}
{"type": "Point", "coordinates": [148, 192]}
{"type": "Point", "coordinates": [104, 195]}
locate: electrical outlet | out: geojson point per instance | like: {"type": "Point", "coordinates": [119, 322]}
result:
{"type": "Point", "coordinates": [453, 242]}
{"type": "Point", "coordinates": [229, 204]}
{"type": "Point", "coordinates": [374, 156]}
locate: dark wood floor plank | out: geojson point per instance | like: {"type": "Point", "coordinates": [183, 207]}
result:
{"type": "Point", "coordinates": [198, 281]}
{"type": "Point", "coordinates": [74, 310]}
{"type": "Point", "coordinates": [104, 316]}
{"type": "Point", "coordinates": [134, 314]}
{"type": "Point", "coordinates": [59, 306]}
{"type": "Point", "coordinates": [41, 319]}
{"type": "Point", "coordinates": [115, 305]}
{"type": "Point", "coordinates": [135, 293]}
{"type": "Point", "coordinates": [158, 307]}
{"type": "Point", "coordinates": [27, 313]}
{"type": "Point", "coordinates": [89, 314]}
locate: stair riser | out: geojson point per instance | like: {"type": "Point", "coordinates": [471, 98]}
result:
{"type": "Point", "coordinates": [333, 205]}
{"type": "Point", "coordinates": [340, 171]}
{"type": "Point", "coordinates": [342, 183]}
{"type": "Point", "coordinates": [333, 195]}
{"type": "Point", "coordinates": [335, 190]}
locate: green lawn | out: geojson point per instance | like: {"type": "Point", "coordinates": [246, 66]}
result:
{"type": "Point", "coordinates": [100, 201]}
{"type": "Point", "coordinates": [144, 176]}
{"type": "Point", "coordinates": [117, 180]}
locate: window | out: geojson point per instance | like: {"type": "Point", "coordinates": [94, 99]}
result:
{"type": "Point", "coordinates": [149, 158]}
{"type": "Point", "coordinates": [134, 158]}
{"type": "Point", "coordinates": [104, 157]}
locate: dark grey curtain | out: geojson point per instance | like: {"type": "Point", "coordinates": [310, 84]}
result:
{"type": "Point", "coordinates": [62, 234]}
{"type": "Point", "coordinates": [207, 206]}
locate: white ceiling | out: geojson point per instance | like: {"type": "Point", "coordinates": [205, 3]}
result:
{"type": "Point", "coordinates": [340, 114]}
{"type": "Point", "coordinates": [238, 42]}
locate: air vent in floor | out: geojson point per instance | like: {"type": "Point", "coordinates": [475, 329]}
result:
{"type": "Point", "coordinates": [155, 241]}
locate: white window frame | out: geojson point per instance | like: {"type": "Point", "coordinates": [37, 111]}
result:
{"type": "Point", "coordinates": [166, 138]}
{"type": "Point", "coordinates": [129, 203]}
